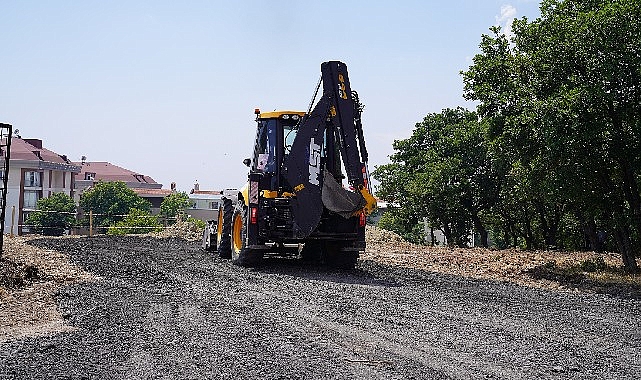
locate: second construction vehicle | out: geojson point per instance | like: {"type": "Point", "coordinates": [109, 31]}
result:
{"type": "Point", "coordinates": [295, 200]}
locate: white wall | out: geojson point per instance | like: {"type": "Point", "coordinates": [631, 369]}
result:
{"type": "Point", "coordinates": [13, 197]}
{"type": "Point", "coordinates": [14, 190]}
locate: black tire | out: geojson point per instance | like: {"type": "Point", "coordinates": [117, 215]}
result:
{"type": "Point", "coordinates": [223, 236]}
{"type": "Point", "coordinates": [336, 256]}
{"type": "Point", "coordinates": [240, 254]}
{"type": "Point", "coordinates": [208, 238]}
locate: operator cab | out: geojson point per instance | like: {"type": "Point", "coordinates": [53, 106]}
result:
{"type": "Point", "coordinates": [275, 135]}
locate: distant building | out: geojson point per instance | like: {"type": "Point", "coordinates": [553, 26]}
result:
{"type": "Point", "coordinates": [204, 203]}
{"type": "Point", "coordinates": [381, 208]}
{"type": "Point", "coordinates": [34, 173]}
{"type": "Point", "coordinates": [143, 185]}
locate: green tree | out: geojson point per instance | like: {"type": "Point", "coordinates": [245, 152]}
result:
{"type": "Point", "coordinates": [562, 101]}
{"type": "Point", "coordinates": [54, 215]}
{"type": "Point", "coordinates": [109, 200]}
{"type": "Point", "coordinates": [442, 172]}
{"type": "Point", "coordinates": [173, 205]}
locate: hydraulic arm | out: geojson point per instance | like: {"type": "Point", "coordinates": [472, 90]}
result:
{"type": "Point", "coordinates": [329, 139]}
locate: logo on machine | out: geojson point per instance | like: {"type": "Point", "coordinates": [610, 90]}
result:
{"type": "Point", "coordinates": [342, 92]}
{"type": "Point", "coordinates": [314, 162]}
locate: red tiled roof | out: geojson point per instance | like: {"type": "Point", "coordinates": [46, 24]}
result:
{"type": "Point", "coordinates": [24, 150]}
{"type": "Point", "coordinates": [212, 192]}
{"type": "Point", "coordinates": [108, 172]}
{"type": "Point", "coordinates": [153, 192]}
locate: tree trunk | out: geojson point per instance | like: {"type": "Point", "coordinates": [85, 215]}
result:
{"type": "Point", "coordinates": [592, 240]}
{"type": "Point", "coordinates": [447, 231]}
{"type": "Point", "coordinates": [632, 196]}
{"type": "Point", "coordinates": [527, 235]}
{"type": "Point", "coordinates": [480, 228]}
{"type": "Point", "coordinates": [549, 224]}
{"type": "Point", "coordinates": [622, 237]}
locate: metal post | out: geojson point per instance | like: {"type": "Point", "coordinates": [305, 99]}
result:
{"type": "Point", "coordinates": [6, 133]}
{"type": "Point", "coordinates": [90, 223]}
{"type": "Point", "coordinates": [13, 218]}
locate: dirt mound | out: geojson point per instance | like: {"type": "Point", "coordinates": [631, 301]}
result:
{"type": "Point", "coordinates": [29, 276]}
{"type": "Point", "coordinates": [375, 235]}
{"type": "Point", "coordinates": [187, 230]}
{"type": "Point", "coordinates": [16, 275]}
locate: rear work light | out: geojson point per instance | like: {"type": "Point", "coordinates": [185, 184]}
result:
{"type": "Point", "coordinates": [253, 217]}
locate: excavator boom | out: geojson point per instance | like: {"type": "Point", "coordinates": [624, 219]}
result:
{"type": "Point", "coordinates": [313, 168]}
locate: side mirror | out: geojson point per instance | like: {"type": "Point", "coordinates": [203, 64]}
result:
{"type": "Point", "coordinates": [247, 162]}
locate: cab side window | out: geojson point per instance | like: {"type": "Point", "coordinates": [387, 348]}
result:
{"type": "Point", "coordinates": [265, 153]}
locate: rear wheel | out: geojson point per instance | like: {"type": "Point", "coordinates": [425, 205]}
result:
{"type": "Point", "coordinates": [223, 235]}
{"type": "Point", "coordinates": [240, 253]}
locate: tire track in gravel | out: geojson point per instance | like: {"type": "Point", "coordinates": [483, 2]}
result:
{"type": "Point", "coordinates": [164, 309]}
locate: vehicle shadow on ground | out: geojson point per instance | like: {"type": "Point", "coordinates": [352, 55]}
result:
{"type": "Point", "coordinates": [295, 267]}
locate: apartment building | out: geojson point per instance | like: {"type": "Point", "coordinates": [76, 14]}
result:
{"type": "Point", "coordinates": [34, 172]}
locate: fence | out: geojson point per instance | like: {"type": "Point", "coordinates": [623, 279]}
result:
{"type": "Point", "coordinates": [90, 228]}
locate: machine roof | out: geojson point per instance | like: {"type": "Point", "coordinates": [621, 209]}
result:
{"type": "Point", "coordinates": [276, 114]}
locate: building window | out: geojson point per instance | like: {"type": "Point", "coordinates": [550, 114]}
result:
{"type": "Point", "coordinates": [32, 179]}
{"type": "Point", "coordinates": [214, 205]}
{"type": "Point", "coordinates": [90, 176]}
{"type": "Point", "coordinates": [31, 199]}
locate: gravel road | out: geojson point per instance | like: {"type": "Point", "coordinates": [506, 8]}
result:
{"type": "Point", "coordinates": [164, 309]}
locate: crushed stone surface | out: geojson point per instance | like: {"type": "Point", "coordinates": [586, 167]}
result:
{"type": "Point", "coordinates": [158, 307]}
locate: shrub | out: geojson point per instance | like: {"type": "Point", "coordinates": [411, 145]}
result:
{"type": "Point", "coordinates": [594, 265]}
{"type": "Point", "coordinates": [393, 221]}
{"type": "Point", "coordinates": [136, 222]}
{"type": "Point", "coordinates": [196, 224]}
{"type": "Point", "coordinates": [172, 205]}
{"type": "Point", "coordinates": [54, 215]}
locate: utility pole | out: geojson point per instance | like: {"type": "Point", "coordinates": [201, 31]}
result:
{"type": "Point", "coordinates": [6, 132]}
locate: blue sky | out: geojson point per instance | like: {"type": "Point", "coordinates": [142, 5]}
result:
{"type": "Point", "coordinates": [168, 88]}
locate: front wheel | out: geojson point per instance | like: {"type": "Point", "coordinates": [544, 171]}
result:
{"type": "Point", "coordinates": [240, 253]}
{"type": "Point", "coordinates": [208, 237]}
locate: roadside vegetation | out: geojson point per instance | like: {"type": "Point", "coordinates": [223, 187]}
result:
{"type": "Point", "coordinates": [551, 157]}
{"type": "Point", "coordinates": [113, 208]}
{"type": "Point", "coordinates": [109, 201]}
{"type": "Point", "coordinates": [54, 215]}
{"type": "Point", "coordinates": [173, 206]}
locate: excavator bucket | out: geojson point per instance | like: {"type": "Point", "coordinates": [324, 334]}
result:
{"type": "Point", "coordinates": [339, 200]}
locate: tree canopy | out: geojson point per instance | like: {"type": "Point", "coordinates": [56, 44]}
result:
{"type": "Point", "coordinates": [173, 204]}
{"type": "Point", "coordinates": [441, 173]}
{"type": "Point", "coordinates": [551, 158]}
{"type": "Point", "coordinates": [562, 100]}
{"type": "Point", "coordinates": [54, 215]}
{"type": "Point", "coordinates": [109, 201]}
